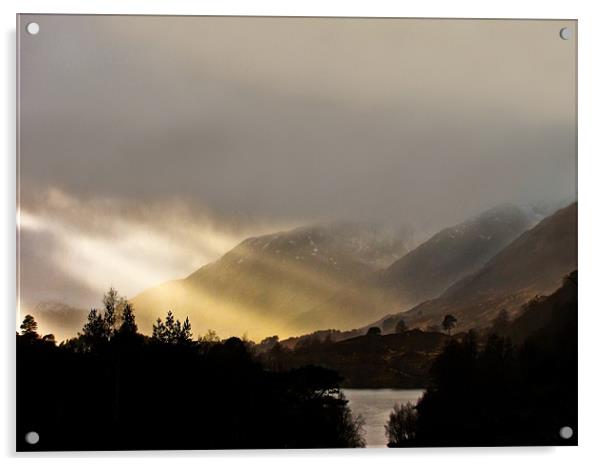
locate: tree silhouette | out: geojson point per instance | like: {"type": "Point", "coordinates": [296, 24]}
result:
{"type": "Point", "coordinates": [113, 306]}
{"type": "Point", "coordinates": [128, 320]}
{"type": "Point", "coordinates": [110, 316]}
{"type": "Point", "coordinates": [402, 425]}
{"type": "Point", "coordinates": [100, 327]}
{"type": "Point", "coordinates": [449, 322]}
{"type": "Point", "coordinates": [172, 331]}
{"type": "Point", "coordinates": [374, 331]}
{"type": "Point", "coordinates": [185, 334]}
{"type": "Point", "coordinates": [401, 326]}
{"type": "Point", "coordinates": [29, 327]}
{"type": "Point", "coordinates": [94, 329]}
{"type": "Point", "coordinates": [159, 331]}
{"type": "Point", "coordinates": [172, 327]}
{"type": "Point", "coordinates": [268, 343]}
{"type": "Point", "coordinates": [209, 337]}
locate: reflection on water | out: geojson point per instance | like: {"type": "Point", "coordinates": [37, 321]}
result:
{"type": "Point", "coordinates": [375, 406]}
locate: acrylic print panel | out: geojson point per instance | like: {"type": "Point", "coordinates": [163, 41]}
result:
{"type": "Point", "coordinates": [254, 232]}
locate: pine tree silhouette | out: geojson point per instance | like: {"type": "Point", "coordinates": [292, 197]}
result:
{"type": "Point", "coordinates": [113, 304]}
{"type": "Point", "coordinates": [159, 331]}
{"type": "Point", "coordinates": [128, 320]}
{"type": "Point", "coordinates": [95, 326]}
{"type": "Point", "coordinates": [29, 327]}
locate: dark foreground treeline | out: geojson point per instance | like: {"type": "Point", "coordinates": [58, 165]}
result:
{"type": "Point", "coordinates": [518, 386]}
{"type": "Point", "coordinates": [113, 388]}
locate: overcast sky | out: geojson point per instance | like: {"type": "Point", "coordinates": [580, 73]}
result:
{"type": "Point", "coordinates": [152, 145]}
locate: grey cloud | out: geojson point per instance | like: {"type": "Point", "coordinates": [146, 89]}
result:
{"type": "Point", "coordinates": [281, 121]}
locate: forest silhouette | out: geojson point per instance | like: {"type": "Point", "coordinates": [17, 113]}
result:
{"type": "Point", "coordinates": [514, 385]}
{"type": "Point", "coordinates": [112, 388]}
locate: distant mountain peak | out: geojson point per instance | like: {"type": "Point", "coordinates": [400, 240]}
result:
{"type": "Point", "coordinates": [454, 252]}
{"type": "Point", "coordinates": [533, 264]}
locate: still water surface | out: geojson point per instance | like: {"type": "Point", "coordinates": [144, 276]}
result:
{"type": "Point", "coordinates": [375, 406]}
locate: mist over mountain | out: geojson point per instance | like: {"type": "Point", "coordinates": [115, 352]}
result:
{"type": "Point", "coordinates": [344, 275]}
{"type": "Point", "coordinates": [423, 273]}
{"type": "Point", "coordinates": [453, 253]}
{"type": "Point", "coordinates": [59, 319]}
{"type": "Point", "coordinates": [264, 282]}
{"type": "Point", "coordinates": [340, 276]}
{"type": "Point", "coordinates": [533, 264]}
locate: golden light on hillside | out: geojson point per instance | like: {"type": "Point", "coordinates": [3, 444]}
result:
{"type": "Point", "coordinates": [295, 288]}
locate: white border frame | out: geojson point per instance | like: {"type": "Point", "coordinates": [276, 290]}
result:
{"type": "Point", "coordinates": [590, 234]}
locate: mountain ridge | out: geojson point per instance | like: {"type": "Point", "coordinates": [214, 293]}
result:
{"type": "Point", "coordinates": [263, 277]}
{"type": "Point", "coordinates": [449, 254]}
{"type": "Point", "coordinates": [533, 264]}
